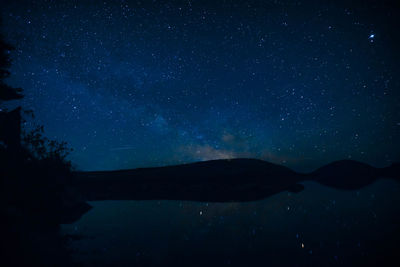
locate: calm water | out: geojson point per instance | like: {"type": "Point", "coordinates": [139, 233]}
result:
{"type": "Point", "coordinates": [319, 226]}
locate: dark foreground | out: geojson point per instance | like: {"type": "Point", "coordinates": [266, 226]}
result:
{"type": "Point", "coordinates": [240, 212]}
{"type": "Point", "coordinates": [336, 227]}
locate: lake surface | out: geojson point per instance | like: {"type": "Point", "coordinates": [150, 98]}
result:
{"type": "Point", "coordinates": [318, 226]}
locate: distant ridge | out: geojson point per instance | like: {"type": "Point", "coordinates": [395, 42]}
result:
{"type": "Point", "coordinates": [223, 180]}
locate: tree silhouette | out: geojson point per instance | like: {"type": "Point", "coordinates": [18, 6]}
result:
{"type": "Point", "coordinates": [35, 177]}
{"type": "Point", "coordinates": [36, 145]}
{"type": "Point", "coordinates": [10, 122]}
{"type": "Point", "coordinates": [6, 92]}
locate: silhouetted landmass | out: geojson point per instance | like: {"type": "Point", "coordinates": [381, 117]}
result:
{"type": "Point", "coordinates": [222, 180]}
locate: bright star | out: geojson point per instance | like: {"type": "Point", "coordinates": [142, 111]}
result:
{"type": "Point", "coordinates": [371, 37]}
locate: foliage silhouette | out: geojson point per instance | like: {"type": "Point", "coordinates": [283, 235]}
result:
{"type": "Point", "coordinates": [35, 187]}
{"type": "Point", "coordinates": [6, 92]}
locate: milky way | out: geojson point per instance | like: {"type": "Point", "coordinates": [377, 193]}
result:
{"type": "Point", "coordinates": [130, 84]}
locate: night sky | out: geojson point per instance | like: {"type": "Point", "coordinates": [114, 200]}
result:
{"type": "Point", "coordinates": [132, 84]}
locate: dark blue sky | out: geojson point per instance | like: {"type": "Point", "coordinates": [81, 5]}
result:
{"type": "Point", "coordinates": [130, 84]}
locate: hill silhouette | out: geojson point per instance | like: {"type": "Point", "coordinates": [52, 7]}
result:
{"type": "Point", "coordinates": [222, 180]}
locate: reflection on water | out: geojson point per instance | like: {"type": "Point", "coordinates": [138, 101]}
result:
{"type": "Point", "coordinates": [320, 226]}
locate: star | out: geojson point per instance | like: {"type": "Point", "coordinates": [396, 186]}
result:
{"type": "Point", "coordinates": [371, 37]}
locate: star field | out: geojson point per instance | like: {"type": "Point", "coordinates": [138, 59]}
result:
{"type": "Point", "coordinates": [131, 84]}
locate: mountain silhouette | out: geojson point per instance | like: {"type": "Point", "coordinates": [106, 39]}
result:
{"type": "Point", "coordinates": [222, 180]}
